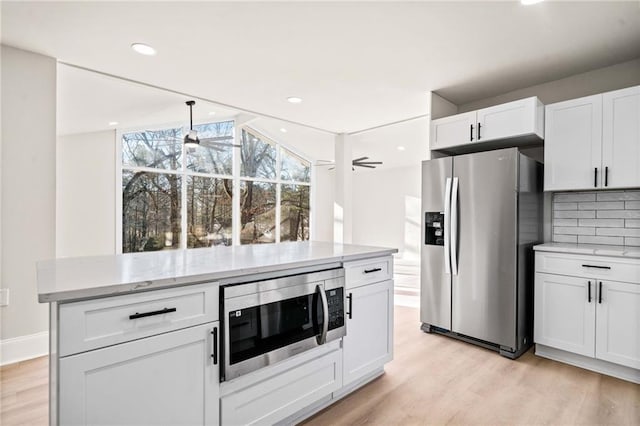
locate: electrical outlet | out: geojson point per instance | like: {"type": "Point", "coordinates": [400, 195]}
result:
{"type": "Point", "coordinates": [4, 297]}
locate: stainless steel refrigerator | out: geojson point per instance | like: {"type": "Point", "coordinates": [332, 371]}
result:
{"type": "Point", "coordinates": [482, 214]}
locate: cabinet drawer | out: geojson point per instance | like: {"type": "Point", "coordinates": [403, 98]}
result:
{"type": "Point", "coordinates": [280, 396]}
{"type": "Point", "coordinates": [368, 271]}
{"type": "Point", "coordinates": [611, 268]}
{"type": "Point", "coordinates": [98, 323]}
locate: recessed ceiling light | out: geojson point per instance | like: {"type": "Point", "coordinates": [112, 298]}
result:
{"type": "Point", "coordinates": [283, 130]}
{"type": "Point", "coordinates": [528, 2]}
{"type": "Point", "coordinates": [143, 49]}
{"type": "Point", "coordinates": [294, 99]}
{"type": "Point", "coordinates": [212, 113]}
{"type": "Point", "coordinates": [401, 148]}
{"type": "Point", "coordinates": [113, 123]}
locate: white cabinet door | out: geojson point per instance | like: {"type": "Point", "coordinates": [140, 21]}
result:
{"type": "Point", "coordinates": [271, 400]}
{"type": "Point", "coordinates": [621, 138]}
{"type": "Point", "coordinates": [455, 130]}
{"type": "Point", "coordinates": [564, 316]}
{"type": "Point", "coordinates": [368, 344]}
{"type": "Point", "coordinates": [618, 323]}
{"type": "Point", "coordinates": [573, 144]}
{"type": "Point", "coordinates": [166, 379]}
{"type": "Point", "coordinates": [509, 120]}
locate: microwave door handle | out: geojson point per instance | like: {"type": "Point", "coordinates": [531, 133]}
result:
{"type": "Point", "coordinates": [322, 338]}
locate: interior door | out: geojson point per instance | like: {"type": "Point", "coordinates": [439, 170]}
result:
{"type": "Point", "coordinates": [484, 285]}
{"type": "Point", "coordinates": [435, 288]}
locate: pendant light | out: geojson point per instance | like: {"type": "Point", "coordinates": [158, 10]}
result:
{"type": "Point", "coordinates": [191, 139]}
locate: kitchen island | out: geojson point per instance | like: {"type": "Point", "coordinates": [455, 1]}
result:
{"type": "Point", "coordinates": [144, 338]}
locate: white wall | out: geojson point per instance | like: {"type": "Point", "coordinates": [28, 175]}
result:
{"type": "Point", "coordinates": [28, 185]}
{"type": "Point", "coordinates": [86, 194]}
{"type": "Point", "coordinates": [324, 196]}
{"type": "Point", "coordinates": [386, 209]}
{"type": "Point", "coordinates": [625, 74]}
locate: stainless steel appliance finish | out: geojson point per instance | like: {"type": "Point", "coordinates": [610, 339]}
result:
{"type": "Point", "coordinates": [435, 306]}
{"type": "Point", "coordinates": [494, 220]}
{"type": "Point", "coordinates": [301, 298]}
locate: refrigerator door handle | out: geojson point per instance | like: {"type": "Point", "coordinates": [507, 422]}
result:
{"type": "Point", "coordinates": [454, 227]}
{"type": "Point", "coordinates": [447, 225]}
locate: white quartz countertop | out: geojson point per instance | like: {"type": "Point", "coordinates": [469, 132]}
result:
{"type": "Point", "coordinates": [86, 277]}
{"type": "Point", "coordinates": [592, 249]}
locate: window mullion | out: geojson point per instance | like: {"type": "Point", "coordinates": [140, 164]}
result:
{"type": "Point", "coordinates": [236, 222]}
{"type": "Point", "coordinates": [183, 201]}
{"type": "Point", "coordinates": [277, 215]}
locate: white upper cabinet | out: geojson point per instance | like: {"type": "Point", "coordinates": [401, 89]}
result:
{"type": "Point", "coordinates": [453, 130]}
{"type": "Point", "coordinates": [621, 138]}
{"type": "Point", "coordinates": [593, 142]}
{"type": "Point", "coordinates": [510, 120]}
{"type": "Point", "coordinates": [573, 144]}
{"type": "Point", "coordinates": [518, 119]}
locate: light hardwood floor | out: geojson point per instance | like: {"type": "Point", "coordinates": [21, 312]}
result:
{"type": "Point", "coordinates": [432, 380]}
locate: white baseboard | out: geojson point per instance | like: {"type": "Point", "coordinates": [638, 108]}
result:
{"type": "Point", "coordinates": [24, 347]}
{"type": "Point", "coordinates": [597, 365]}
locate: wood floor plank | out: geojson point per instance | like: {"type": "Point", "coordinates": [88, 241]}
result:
{"type": "Point", "coordinates": [433, 379]}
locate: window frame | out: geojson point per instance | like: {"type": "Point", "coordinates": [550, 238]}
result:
{"type": "Point", "coordinates": [235, 178]}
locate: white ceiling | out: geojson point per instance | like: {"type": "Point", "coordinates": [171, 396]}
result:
{"type": "Point", "coordinates": [356, 65]}
{"type": "Point", "coordinates": [88, 102]}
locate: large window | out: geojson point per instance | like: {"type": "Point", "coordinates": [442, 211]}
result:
{"type": "Point", "coordinates": [214, 194]}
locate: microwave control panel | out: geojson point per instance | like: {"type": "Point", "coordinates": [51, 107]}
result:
{"type": "Point", "coordinates": [335, 300]}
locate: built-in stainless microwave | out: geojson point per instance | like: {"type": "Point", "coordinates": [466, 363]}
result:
{"type": "Point", "coordinates": [267, 321]}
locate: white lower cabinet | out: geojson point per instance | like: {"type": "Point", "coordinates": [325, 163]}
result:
{"type": "Point", "coordinates": [284, 393]}
{"type": "Point", "coordinates": [368, 344]}
{"type": "Point", "coordinates": [564, 314]}
{"type": "Point", "coordinates": [150, 381]}
{"type": "Point", "coordinates": [618, 323]}
{"type": "Point", "coordinates": [589, 315]}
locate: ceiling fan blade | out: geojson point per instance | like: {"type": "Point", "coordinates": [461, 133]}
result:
{"type": "Point", "coordinates": [217, 139]}
{"type": "Point", "coordinates": [360, 159]}
{"type": "Point", "coordinates": [359, 163]}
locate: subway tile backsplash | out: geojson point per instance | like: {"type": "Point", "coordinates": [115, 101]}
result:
{"type": "Point", "coordinates": [611, 217]}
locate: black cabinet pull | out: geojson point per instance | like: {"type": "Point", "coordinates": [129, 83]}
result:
{"type": "Point", "coordinates": [479, 126]}
{"type": "Point", "coordinates": [600, 292]}
{"type": "Point", "coordinates": [589, 285]}
{"type": "Point", "coordinates": [368, 271]}
{"type": "Point", "coordinates": [596, 266]}
{"type": "Point", "coordinates": [214, 355]}
{"type": "Point", "coordinates": [152, 313]}
{"type": "Point", "coordinates": [595, 178]}
{"type": "Point", "coordinates": [606, 176]}
{"type": "Point", "coordinates": [350, 297]}
{"type": "Point", "coordinates": [471, 133]}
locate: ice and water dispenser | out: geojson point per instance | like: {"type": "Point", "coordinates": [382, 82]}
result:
{"type": "Point", "coordinates": [434, 229]}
